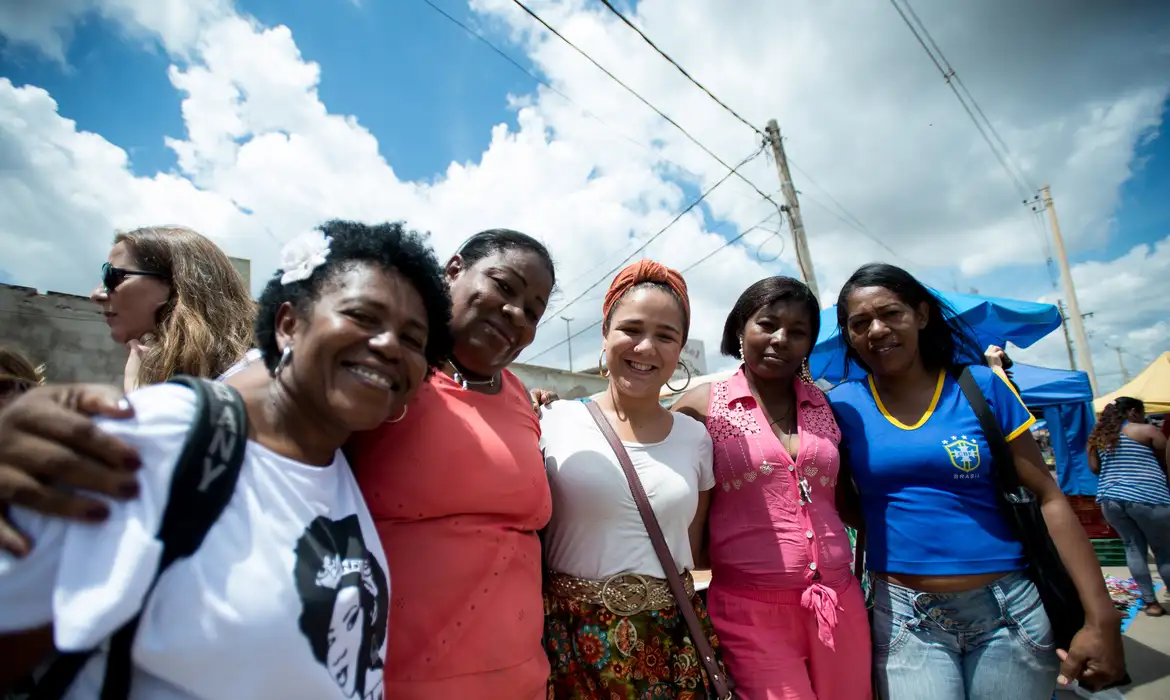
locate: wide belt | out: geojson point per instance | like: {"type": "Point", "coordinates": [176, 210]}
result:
{"type": "Point", "coordinates": [621, 594]}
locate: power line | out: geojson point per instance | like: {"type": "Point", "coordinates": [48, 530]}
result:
{"type": "Point", "coordinates": [644, 101]}
{"type": "Point", "coordinates": [694, 203]}
{"type": "Point", "coordinates": [682, 70]}
{"type": "Point", "coordinates": [686, 269]}
{"type": "Point", "coordinates": [540, 80]}
{"type": "Point", "coordinates": [954, 82]}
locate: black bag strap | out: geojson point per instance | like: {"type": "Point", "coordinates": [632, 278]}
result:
{"type": "Point", "coordinates": [203, 483]}
{"type": "Point", "coordinates": [719, 682]}
{"type": "Point", "coordinates": [1001, 453]}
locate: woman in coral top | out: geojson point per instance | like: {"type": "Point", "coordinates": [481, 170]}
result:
{"type": "Point", "coordinates": [789, 612]}
{"type": "Point", "coordinates": [455, 485]}
{"type": "Point", "coordinates": [457, 490]}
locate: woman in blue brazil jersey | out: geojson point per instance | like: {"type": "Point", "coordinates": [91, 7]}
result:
{"type": "Point", "coordinates": [955, 616]}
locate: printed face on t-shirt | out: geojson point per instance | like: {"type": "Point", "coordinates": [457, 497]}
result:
{"type": "Point", "coordinates": [345, 638]}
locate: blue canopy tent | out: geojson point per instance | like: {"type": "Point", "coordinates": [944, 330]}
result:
{"type": "Point", "coordinates": [1066, 400]}
{"type": "Point", "coordinates": [995, 321]}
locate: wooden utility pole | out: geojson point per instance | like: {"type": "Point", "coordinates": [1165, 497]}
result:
{"type": "Point", "coordinates": [803, 259]}
{"type": "Point", "coordinates": [1072, 360]}
{"type": "Point", "coordinates": [1070, 293]}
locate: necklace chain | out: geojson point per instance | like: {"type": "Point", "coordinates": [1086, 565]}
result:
{"type": "Point", "coordinates": [466, 383]}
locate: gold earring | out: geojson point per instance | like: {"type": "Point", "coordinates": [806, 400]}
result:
{"type": "Point", "coordinates": [806, 372]}
{"type": "Point", "coordinates": [741, 355]}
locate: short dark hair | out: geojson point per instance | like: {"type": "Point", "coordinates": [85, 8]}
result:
{"type": "Point", "coordinates": [499, 240]}
{"type": "Point", "coordinates": [766, 292]}
{"type": "Point", "coordinates": [947, 342]}
{"type": "Point", "coordinates": [389, 246]}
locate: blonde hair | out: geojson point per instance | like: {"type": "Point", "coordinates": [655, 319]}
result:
{"type": "Point", "coordinates": [15, 365]}
{"type": "Point", "coordinates": [206, 325]}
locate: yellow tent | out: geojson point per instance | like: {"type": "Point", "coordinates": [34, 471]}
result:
{"type": "Point", "coordinates": [1152, 386]}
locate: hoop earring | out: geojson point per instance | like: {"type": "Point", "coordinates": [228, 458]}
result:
{"type": "Point", "coordinates": [601, 370]}
{"type": "Point", "coordinates": [285, 358]}
{"type": "Point", "coordinates": [399, 418]}
{"type": "Point", "coordinates": [806, 372]}
{"type": "Point", "coordinates": [684, 386]}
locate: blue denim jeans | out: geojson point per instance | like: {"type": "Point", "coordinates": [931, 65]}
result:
{"type": "Point", "coordinates": [991, 643]}
{"type": "Point", "coordinates": [1142, 527]}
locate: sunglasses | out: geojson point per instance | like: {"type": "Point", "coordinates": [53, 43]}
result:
{"type": "Point", "coordinates": [112, 276]}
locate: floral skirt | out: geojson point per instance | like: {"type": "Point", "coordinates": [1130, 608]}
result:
{"type": "Point", "coordinates": [597, 655]}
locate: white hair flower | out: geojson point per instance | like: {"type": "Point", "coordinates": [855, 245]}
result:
{"type": "Point", "coordinates": [302, 255]}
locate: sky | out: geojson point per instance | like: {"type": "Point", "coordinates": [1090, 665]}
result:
{"type": "Point", "coordinates": [255, 120]}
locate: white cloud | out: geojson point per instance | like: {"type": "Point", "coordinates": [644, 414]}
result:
{"type": "Point", "coordinates": [262, 157]}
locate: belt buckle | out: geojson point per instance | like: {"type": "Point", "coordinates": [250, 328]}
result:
{"type": "Point", "coordinates": [628, 609]}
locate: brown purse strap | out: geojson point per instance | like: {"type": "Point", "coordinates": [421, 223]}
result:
{"type": "Point", "coordinates": [669, 568]}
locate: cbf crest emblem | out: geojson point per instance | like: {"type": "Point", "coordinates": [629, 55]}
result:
{"type": "Point", "coordinates": [964, 453]}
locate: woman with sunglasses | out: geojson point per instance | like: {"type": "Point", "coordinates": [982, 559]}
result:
{"type": "Point", "coordinates": [455, 484]}
{"type": "Point", "coordinates": [17, 375]}
{"type": "Point", "coordinates": [175, 301]}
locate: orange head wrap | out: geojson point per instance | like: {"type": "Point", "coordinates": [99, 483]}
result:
{"type": "Point", "coordinates": [648, 271]}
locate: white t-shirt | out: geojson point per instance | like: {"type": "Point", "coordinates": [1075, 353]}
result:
{"type": "Point", "coordinates": [286, 598]}
{"type": "Point", "coordinates": [596, 531]}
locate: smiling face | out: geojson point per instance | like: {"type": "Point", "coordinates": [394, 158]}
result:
{"type": "Point", "coordinates": [496, 304]}
{"type": "Point", "coordinates": [359, 350]}
{"type": "Point", "coordinates": [776, 340]}
{"type": "Point", "coordinates": [345, 639]}
{"type": "Point", "coordinates": [883, 329]}
{"type": "Point", "coordinates": [131, 310]}
{"type": "Point", "coordinates": [644, 341]}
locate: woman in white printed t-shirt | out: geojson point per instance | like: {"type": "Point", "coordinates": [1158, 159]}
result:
{"type": "Point", "coordinates": [597, 550]}
{"type": "Point", "coordinates": [287, 597]}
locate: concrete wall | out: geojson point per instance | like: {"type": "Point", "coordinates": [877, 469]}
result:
{"type": "Point", "coordinates": [568, 385]}
{"type": "Point", "coordinates": [64, 331]}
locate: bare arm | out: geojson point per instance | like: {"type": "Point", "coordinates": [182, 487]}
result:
{"type": "Point", "coordinates": [694, 403]}
{"type": "Point", "coordinates": [1094, 461]}
{"type": "Point", "coordinates": [1095, 655]}
{"type": "Point", "coordinates": [847, 498]}
{"type": "Point", "coordinates": [698, 531]}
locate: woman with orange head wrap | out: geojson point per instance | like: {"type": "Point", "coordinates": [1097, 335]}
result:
{"type": "Point", "coordinates": [611, 625]}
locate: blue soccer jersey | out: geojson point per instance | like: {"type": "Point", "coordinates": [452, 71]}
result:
{"type": "Point", "coordinates": [927, 491]}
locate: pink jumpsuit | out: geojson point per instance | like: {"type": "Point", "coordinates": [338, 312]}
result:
{"type": "Point", "coordinates": [789, 613]}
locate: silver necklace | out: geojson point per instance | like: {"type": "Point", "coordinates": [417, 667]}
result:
{"type": "Point", "coordinates": [466, 383]}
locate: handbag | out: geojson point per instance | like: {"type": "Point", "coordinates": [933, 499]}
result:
{"type": "Point", "coordinates": [1024, 517]}
{"type": "Point", "coordinates": [719, 680]}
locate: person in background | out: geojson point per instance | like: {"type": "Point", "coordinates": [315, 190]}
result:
{"type": "Point", "coordinates": [955, 614]}
{"type": "Point", "coordinates": [17, 375]}
{"type": "Point", "coordinates": [288, 593]}
{"type": "Point", "coordinates": [788, 610]}
{"type": "Point", "coordinates": [175, 301]}
{"type": "Point", "coordinates": [597, 550]}
{"type": "Point", "coordinates": [1130, 457]}
{"type": "Point", "coordinates": [455, 484]}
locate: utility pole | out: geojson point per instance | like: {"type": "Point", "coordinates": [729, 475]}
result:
{"type": "Point", "coordinates": [1072, 360]}
{"type": "Point", "coordinates": [569, 340]}
{"type": "Point", "coordinates": [1121, 363]}
{"type": "Point", "coordinates": [803, 259]}
{"type": "Point", "coordinates": [1070, 293]}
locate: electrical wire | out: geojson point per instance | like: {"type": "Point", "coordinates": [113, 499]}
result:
{"type": "Point", "coordinates": [682, 70]}
{"type": "Point", "coordinates": [694, 203]}
{"type": "Point", "coordinates": [542, 81]}
{"type": "Point", "coordinates": [686, 269]}
{"type": "Point", "coordinates": [644, 101]}
{"type": "Point", "coordinates": [955, 83]}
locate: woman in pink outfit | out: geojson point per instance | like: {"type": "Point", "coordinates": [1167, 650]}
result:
{"type": "Point", "coordinates": [788, 610]}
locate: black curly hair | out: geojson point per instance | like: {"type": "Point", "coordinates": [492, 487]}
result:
{"type": "Point", "coordinates": [389, 246]}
